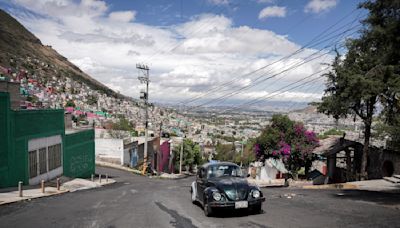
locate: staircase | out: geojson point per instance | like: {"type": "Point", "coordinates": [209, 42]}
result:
{"type": "Point", "coordinates": [394, 179]}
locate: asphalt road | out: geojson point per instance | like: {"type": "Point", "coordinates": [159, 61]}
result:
{"type": "Point", "coordinates": [137, 201]}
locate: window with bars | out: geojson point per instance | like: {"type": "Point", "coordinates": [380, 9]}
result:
{"type": "Point", "coordinates": [33, 165]}
{"type": "Point", "coordinates": [54, 156]}
{"type": "Point", "coordinates": [42, 160]}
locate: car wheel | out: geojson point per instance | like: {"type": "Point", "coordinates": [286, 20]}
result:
{"type": "Point", "coordinates": [207, 209]}
{"type": "Point", "coordinates": [257, 209]}
{"type": "Point", "coordinates": [193, 195]}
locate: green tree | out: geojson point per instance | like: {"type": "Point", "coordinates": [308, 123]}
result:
{"type": "Point", "coordinates": [225, 152]}
{"type": "Point", "coordinates": [121, 129]}
{"type": "Point", "coordinates": [368, 74]}
{"type": "Point", "coordinates": [122, 124]}
{"type": "Point", "coordinates": [191, 154]}
{"type": "Point", "coordinates": [383, 31]}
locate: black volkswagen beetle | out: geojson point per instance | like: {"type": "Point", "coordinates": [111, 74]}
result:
{"type": "Point", "coordinates": [222, 185]}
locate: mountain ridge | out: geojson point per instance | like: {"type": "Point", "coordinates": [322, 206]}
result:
{"type": "Point", "coordinates": [18, 42]}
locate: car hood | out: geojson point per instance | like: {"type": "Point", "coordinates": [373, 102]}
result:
{"type": "Point", "coordinates": [235, 188]}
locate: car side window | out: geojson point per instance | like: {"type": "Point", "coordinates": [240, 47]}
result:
{"type": "Point", "coordinates": [202, 173]}
{"type": "Point", "coordinates": [199, 173]}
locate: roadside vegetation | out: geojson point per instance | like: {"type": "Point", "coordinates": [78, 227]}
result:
{"type": "Point", "coordinates": [365, 78]}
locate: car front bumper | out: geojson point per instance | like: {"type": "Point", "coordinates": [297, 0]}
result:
{"type": "Point", "coordinates": [231, 204]}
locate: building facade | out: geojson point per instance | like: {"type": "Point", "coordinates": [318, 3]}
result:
{"type": "Point", "coordinates": [34, 146]}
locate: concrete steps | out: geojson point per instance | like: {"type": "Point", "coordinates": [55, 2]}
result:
{"type": "Point", "coordinates": [395, 180]}
{"type": "Point", "coordinates": [396, 176]}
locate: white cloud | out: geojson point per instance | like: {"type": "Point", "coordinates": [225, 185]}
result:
{"type": "Point", "coordinates": [65, 8]}
{"type": "Point", "coordinates": [272, 11]}
{"type": "Point", "coordinates": [219, 2]}
{"type": "Point", "coordinates": [122, 16]}
{"type": "Point", "coordinates": [185, 59]}
{"type": "Point", "coordinates": [265, 1]}
{"type": "Point", "coordinates": [317, 6]}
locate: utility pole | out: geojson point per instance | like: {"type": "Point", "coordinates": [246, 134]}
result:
{"type": "Point", "coordinates": [144, 78]}
{"type": "Point", "coordinates": [241, 156]}
{"type": "Point", "coordinates": [181, 157]}
{"type": "Point", "coordinates": [159, 153]}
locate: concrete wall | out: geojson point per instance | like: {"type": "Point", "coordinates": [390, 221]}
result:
{"type": "Point", "coordinates": [376, 160]}
{"type": "Point", "coordinates": [150, 151]}
{"type": "Point", "coordinates": [110, 150]}
{"type": "Point", "coordinates": [129, 149]}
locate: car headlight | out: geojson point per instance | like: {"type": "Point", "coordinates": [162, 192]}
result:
{"type": "Point", "coordinates": [217, 196]}
{"type": "Point", "coordinates": [256, 193]}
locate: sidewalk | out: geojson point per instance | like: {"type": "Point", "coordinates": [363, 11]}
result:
{"type": "Point", "coordinates": [33, 192]}
{"type": "Point", "coordinates": [379, 185]}
{"type": "Point", "coordinates": [115, 166]}
{"type": "Point", "coordinates": [135, 171]}
{"type": "Point", "coordinates": [267, 183]}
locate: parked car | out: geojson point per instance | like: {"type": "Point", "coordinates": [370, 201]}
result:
{"type": "Point", "coordinates": [222, 185]}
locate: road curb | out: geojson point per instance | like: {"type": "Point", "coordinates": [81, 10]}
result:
{"type": "Point", "coordinates": [51, 192]}
{"type": "Point", "coordinates": [138, 172]}
{"type": "Point", "coordinates": [331, 186]}
{"type": "Point", "coordinates": [108, 165]}
{"type": "Point", "coordinates": [33, 197]}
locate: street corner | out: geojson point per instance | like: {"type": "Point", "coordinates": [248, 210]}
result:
{"type": "Point", "coordinates": [83, 184]}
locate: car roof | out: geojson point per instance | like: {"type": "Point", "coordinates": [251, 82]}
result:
{"type": "Point", "coordinates": [218, 163]}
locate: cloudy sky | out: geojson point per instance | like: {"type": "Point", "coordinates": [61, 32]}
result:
{"type": "Point", "coordinates": [207, 52]}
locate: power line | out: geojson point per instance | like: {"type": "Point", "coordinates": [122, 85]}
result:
{"type": "Point", "coordinates": [306, 60]}
{"type": "Point", "coordinates": [279, 92]}
{"type": "Point", "coordinates": [279, 60]}
{"type": "Point", "coordinates": [262, 80]}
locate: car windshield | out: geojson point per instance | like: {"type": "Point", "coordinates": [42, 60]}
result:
{"type": "Point", "coordinates": [223, 170]}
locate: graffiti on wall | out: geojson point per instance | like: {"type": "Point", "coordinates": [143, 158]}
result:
{"type": "Point", "coordinates": [80, 164]}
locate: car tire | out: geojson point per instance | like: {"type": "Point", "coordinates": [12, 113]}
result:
{"type": "Point", "coordinates": [193, 195]}
{"type": "Point", "coordinates": [257, 209]}
{"type": "Point", "coordinates": [207, 209]}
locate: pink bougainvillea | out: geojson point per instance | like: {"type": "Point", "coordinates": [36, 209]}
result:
{"type": "Point", "coordinates": [288, 140]}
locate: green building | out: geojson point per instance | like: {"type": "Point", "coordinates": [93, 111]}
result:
{"type": "Point", "coordinates": [35, 146]}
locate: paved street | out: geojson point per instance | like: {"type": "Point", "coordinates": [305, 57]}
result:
{"type": "Point", "coordinates": [136, 201]}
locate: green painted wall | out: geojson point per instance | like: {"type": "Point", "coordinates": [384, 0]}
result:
{"type": "Point", "coordinates": [27, 125]}
{"type": "Point", "coordinates": [4, 126]}
{"type": "Point", "coordinates": [18, 127]}
{"type": "Point", "coordinates": [79, 154]}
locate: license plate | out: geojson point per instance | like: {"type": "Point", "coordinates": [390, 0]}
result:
{"type": "Point", "coordinates": [241, 204]}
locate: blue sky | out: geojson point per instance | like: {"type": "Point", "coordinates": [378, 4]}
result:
{"type": "Point", "coordinates": [300, 26]}
{"type": "Point", "coordinates": [194, 47]}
